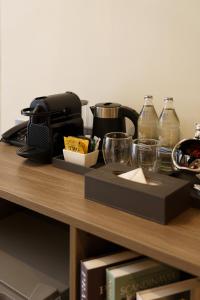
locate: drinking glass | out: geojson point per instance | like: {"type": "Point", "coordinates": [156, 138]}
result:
{"type": "Point", "coordinates": [116, 148]}
{"type": "Point", "coordinates": [145, 154]}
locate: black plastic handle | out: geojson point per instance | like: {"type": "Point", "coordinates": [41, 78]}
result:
{"type": "Point", "coordinates": [30, 112]}
{"type": "Point", "coordinates": [132, 115]}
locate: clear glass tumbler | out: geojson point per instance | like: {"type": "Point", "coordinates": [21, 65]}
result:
{"type": "Point", "coordinates": [145, 154]}
{"type": "Point", "coordinates": [117, 148]}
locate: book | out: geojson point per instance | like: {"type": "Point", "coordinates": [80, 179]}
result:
{"type": "Point", "coordinates": [183, 290]}
{"type": "Point", "coordinates": [93, 273]}
{"type": "Point", "coordinates": [123, 281]}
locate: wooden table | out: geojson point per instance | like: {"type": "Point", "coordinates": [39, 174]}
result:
{"type": "Point", "coordinates": [60, 195]}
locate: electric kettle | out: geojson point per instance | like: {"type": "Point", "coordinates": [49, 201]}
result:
{"type": "Point", "coordinates": [110, 117]}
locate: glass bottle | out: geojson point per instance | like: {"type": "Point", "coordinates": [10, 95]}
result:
{"type": "Point", "coordinates": [169, 133]}
{"type": "Point", "coordinates": [197, 131]}
{"type": "Point", "coordinates": [148, 120]}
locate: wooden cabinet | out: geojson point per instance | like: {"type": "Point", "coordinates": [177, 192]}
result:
{"type": "Point", "coordinates": [93, 227]}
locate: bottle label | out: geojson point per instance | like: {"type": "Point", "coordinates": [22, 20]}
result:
{"type": "Point", "coordinates": [165, 159]}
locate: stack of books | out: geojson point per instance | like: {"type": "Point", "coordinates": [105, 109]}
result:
{"type": "Point", "coordinates": [126, 275]}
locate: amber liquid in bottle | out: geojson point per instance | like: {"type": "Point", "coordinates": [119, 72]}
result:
{"type": "Point", "coordinates": [169, 133]}
{"type": "Point", "coordinates": [148, 120]}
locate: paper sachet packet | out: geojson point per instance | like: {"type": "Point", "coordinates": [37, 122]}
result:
{"type": "Point", "coordinates": [81, 144]}
{"type": "Point", "coordinates": [76, 144]}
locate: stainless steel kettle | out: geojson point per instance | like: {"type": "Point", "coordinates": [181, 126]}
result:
{"type": "Point", "coordinates": [186, 153]}
{"type": "Point", "coordinates": [110, 117]}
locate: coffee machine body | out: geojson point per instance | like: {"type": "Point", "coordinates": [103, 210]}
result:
{"type": "Point", "coordinates": [50, 119]}
{"type": "Point", "coordinates": [110, 117]}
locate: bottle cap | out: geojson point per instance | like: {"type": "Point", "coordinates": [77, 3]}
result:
{"type": "Point", "coordinates": [168, 98]}
{"type": "Point", "coordinates": [148, 97]}
{"type": "Point", "coordinates": [197, 125]}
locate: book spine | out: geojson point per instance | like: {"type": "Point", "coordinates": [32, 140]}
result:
{"type": "Point", "coordinates": [110, 294]}
{"type": "Point", "coordinates": [84, 283]}
{"type": "Point", "coordinates": [160, 277]}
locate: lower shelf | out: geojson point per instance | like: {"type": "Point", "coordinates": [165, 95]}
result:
{"type": "Point", "coordinates": [34, 257]}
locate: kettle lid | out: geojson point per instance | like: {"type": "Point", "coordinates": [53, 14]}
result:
{"type": "Point", "coordinates": [107, 110]}
{"type": "Point", "coordinates": [108, 105]}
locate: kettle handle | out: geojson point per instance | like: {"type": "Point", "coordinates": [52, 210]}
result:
{"type": "Point", "coordinates": [132, 115]}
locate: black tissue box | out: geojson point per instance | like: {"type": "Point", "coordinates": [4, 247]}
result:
{"type": "Point", "coordinates": [159, 203]}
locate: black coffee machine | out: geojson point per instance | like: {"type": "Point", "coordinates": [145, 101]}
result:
{"type": "Point", "coordinates": [51, 118]}
{"type": "Point", "coordinates": [110, 117]}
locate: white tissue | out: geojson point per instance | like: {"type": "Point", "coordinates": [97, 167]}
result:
{"type": "Point", "coordinates": [136, 175]}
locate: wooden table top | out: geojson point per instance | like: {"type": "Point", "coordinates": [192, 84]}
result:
{"type": "Point", "coordinates": [60, 194]}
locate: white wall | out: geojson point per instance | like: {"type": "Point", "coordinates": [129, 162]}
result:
{"type": "Point", "coordinates": [116, 50]}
